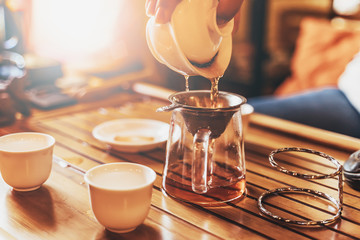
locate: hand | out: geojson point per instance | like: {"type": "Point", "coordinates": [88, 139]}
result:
{"type": "Point", "coordinates": [13, 100]}
{"type": "Point", "coordinates": [163, 9]}
{"type": "Point", "coordinates": [227, 10]}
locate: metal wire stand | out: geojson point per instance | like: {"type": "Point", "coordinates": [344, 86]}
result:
{"type": "Point", "coordinates": [337, 174]}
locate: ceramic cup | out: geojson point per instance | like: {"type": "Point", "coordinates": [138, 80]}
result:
{"type": "Point", "coordinates": [26, 159]}
{"type": "Point", "coordinates": [120, 194]}
{"type": "Point", "coordinates": [192, 43]}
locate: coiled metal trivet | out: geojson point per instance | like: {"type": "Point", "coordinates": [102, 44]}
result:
{"type": "Point", "coordinates": [338, 173]}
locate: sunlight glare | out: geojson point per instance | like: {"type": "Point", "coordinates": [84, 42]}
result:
{"type": "Point", "coordinates": [69, 28]}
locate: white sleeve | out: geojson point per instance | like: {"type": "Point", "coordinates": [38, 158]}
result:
{"type": "Point", "coordinates": [349, 81]}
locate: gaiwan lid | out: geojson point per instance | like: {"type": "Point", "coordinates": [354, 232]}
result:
{"type": "Point", "coordinates": [192, 43]}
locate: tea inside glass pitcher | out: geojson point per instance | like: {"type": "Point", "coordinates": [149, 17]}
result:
{"type": "Point", "coordinates": [206, 164]}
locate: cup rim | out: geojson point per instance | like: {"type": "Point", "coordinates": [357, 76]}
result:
{"type": "Point", "coordinates": [173, 99]}
{"type": "Point", "coordinates": [149, 181]}
{"type": "Point", "coordinates": [51, 141]}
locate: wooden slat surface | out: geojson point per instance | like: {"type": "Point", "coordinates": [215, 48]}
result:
{"type": "Point", "coordinates": [60, 209]}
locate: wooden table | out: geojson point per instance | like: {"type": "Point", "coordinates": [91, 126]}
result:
{"type": "Point", "coordinates": [60, 208]}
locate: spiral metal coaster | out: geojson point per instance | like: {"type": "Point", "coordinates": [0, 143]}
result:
{"type": "Point", "coordinates": [337, 174]}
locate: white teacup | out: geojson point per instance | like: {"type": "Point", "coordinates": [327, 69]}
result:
{"type": "Point", "coordinates": [120, 194]}
{"type": "Point", "coordinates": [26, 159]}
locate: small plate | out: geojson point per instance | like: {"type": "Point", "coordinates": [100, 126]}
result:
{"type": "Point", "coordinates": [132, 135]}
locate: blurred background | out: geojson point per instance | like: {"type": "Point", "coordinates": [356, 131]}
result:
{"type": "Point", "coordinates": [91, 48]}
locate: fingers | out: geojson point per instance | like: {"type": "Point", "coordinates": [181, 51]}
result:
{"type": "Point", "coordinates": [162, 15]}
{"type": "Point", "coordinates": [161, 9]}
{"type": "Point", "coordinates": [150, 6]}
{"type": "Point", "coordinates": [227, 10]}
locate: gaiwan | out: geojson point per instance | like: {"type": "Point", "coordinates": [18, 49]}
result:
{"type": "Point", "coordinates": [192, 43]}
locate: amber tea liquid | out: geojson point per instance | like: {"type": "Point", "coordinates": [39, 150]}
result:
{"type": "Point", "coordinates": [214, 92]}
{"type": "Point", "coordinates": [227, 187]}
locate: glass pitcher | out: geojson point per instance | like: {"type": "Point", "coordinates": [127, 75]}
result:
{"type": "Point", "coordinates": [205, 162]}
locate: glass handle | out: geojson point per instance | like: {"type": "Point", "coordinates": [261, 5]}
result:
{"type": "Point", "coordinates": [200, 161]}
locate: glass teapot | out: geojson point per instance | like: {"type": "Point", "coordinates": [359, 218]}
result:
{"type": "Point", "coordinates": [205, 162]}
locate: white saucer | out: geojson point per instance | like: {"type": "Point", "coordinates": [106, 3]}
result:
{"type": "Point", "coordinates": [132, 135]}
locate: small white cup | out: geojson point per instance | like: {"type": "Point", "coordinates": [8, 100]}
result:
{"type": "Point", "coordinates": [120, 194]}
{"type": "Point", "coordinates": [26, 159]}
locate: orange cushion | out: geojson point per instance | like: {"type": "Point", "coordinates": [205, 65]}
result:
{"type": "Point", "coordinates": [320, 57]}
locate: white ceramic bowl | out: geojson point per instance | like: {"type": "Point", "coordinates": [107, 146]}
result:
{"type": "Point", "coordinates": [26, 159]}
{"type": "Point", "coordinates": [132, 134]}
